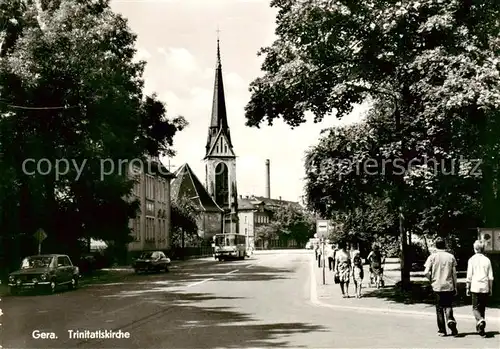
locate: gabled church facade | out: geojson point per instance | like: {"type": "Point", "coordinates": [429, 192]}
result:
{"type": "Point", "coordinates": [220, 158]}
{"type": "Point", "coordinates": [220, 192]}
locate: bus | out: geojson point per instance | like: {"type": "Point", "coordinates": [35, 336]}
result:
{"type": "Point", "coordinates": [228, 246]}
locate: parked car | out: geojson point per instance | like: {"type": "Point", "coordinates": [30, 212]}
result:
{"type": "Point", "coordinates": [44, 272]}
{"type": "Point", "coordinates": [152, 261]}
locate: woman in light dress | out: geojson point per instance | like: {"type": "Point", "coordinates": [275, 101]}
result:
{"type": "Point", "coordinates": [343, 268]}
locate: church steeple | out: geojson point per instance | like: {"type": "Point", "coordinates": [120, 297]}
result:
{"type": "Point", "coordinates": [218, 120]}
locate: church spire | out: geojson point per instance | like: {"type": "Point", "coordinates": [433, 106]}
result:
{"type": "Point", "coordinates": [218, 120]}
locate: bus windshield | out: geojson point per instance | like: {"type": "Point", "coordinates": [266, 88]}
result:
{"type": "Point", "coordinates": [224, 240]}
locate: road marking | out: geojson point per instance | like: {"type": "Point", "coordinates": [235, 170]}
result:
{"type": "Point", "coordinates": [199, 282]}
{"type": "Point", "coordinates": [233, 271]}
{"type": "Point", "coordinates": [263, 260]}
{"type": "Point", "coordinates": [315, 300]}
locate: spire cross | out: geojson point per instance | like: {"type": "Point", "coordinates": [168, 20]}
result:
{"type": "Point", "coordinates": [218, 33]}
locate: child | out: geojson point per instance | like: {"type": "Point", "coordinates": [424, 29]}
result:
{"type": "Point", "coordinates": [357, 272]}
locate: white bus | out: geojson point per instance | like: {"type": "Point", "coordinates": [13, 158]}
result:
{"type": "Point", "coordinates": [228, 246]}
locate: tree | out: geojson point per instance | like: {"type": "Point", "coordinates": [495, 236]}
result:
{"type": "Point", "coordinates": [70, 89]}
{"type": "Point", "coordinates": [435, 62]}
{"type": "Point", "coordinates": [291, 221]}
{"type": "Point", "coordinates": [267, 232]}
{"type": "Point", "coordinates": [184, 215]}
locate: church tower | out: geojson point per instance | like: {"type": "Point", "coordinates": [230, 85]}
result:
{"type": "Point", "coordinates": [220, 159]}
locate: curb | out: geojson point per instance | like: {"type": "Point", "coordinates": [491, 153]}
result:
{"type": "Point", "coordinates": [315, 301]}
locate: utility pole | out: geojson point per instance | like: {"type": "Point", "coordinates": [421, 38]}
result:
{"type": "Point", "coordinates": [323, 256]}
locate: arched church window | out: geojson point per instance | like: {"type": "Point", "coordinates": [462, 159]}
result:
{"type": "Point", "coordinates": [221, 184]}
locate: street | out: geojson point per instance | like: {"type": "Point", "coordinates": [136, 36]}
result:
{"type": "Point", "coordinates": [264, 301]}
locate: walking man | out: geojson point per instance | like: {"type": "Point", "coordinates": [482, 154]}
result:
{"type": "Point", "coordinates": [479, 284]}
{"type": "Point", "coordinates": [441, 269]}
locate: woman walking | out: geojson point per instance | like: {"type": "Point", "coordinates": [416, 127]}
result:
{"type": "Point", "coordinates": [343, 268]}
{"type": "Point", "coordinates": [357, 272]}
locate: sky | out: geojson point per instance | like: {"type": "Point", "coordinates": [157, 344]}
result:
{"type": "Point", "coordinates": [177, 39]}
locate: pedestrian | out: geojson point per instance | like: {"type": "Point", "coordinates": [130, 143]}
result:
{"type": "Point", "coordinates": [357, 272]}
{"type": "Point", "coordinates": [375, 261]}
{"type": "Point", "coordinates": [479, 284]}
{"type": "Point", "coordinates": [343, 268]}
{"type": "Point", "coordinates": [331, 255]}
{"type": "Point", "coordinates": [441, 270]}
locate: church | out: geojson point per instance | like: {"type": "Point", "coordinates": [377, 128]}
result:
{"type": "Point", "coordinates": [217, 199]}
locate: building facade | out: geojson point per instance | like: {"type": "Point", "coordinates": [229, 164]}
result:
{"type": "Point", "coordinates": [256, 211]}
{"type": "Point", "coordinates": [220, 158]}
{"type": "Point", "coordinates": [151, 228]}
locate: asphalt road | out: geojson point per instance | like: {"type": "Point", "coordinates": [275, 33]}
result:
{"type": "Point", "coordinates": [261, 302]}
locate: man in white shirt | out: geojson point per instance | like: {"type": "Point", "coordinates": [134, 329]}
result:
{"type": "Point", "coordinates": [479, 284]}
{"type": "Point", "coordinates": [441, 270]}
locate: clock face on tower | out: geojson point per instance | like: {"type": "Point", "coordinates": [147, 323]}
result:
{"type": "Point", "coordinates": [222, 184]}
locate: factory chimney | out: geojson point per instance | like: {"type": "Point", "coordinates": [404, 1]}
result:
{"type": "Point", "coordinates": [268, 179]}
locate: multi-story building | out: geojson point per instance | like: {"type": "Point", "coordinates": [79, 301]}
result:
{"type": "Point", "coordinates": [151, 227]}
{"type": "Point", "coordinates": [255, 211]}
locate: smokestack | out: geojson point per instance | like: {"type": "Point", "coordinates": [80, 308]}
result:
{"type": "Point", "coordinates": [268, 179]}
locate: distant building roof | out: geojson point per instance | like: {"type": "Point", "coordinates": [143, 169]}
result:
{"type": "Point", "coordinates": [250, 203]}
{"type": "Point", "coordinates": [187, 185]}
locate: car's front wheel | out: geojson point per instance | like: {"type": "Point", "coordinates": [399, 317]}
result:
{"type": "Point", "coordinates": [13, 291]}
{"type": "Point", "coordinates": [52, 286]}
{"type": "Point", "coordinates": [74, 282]}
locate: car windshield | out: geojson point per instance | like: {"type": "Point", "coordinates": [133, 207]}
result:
{"type": "Point", "coordinates": [147, 255]}
{"type": "Point", "coordinates": [36, 262]}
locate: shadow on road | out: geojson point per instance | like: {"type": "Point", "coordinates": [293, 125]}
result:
{"type": "Point", "coordinates": [182, 321]}
{"type": "Point", "coordinates": [489, 334]}
{"type": "Point", "coordinates": [421, 292]}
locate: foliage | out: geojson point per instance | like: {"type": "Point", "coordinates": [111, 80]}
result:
{"type": "Point", "coordinates": [363, 225]}
{"type": "Point", "coordinates": [71, 89]}
{"type": "Point", "coordinates": [288, 221]}
{"type": "Point", "coordinates": [431, 72]}
{"type": "Point", "coordinates": [267, 232]}
{"type": "Point", "coordinates": [184, 216]}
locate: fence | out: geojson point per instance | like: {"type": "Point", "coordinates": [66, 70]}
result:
{"type": "Point", "coordinates": [278, 245]}
{"type": "Point", "coordinates": [191, 252]}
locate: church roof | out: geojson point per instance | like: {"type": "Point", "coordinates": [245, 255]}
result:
{"type": "Point", "coordinates": [186, 184]}
{"type": "Point", "coordinates": [218, 120]}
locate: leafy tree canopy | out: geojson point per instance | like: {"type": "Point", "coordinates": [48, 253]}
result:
{"type": "Point", "coordinates": [71, 89]}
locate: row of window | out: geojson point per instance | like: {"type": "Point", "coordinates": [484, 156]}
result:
{"type": "Point", "coordinates": [155, 188]}
{"type": "Point", "coordinates": [150, 229]}
{"type": "Point", "coordinates": [258, 219]}
{"type": "Point", "coordinates": [261, 219]}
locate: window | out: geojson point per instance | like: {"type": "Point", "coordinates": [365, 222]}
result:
{"type": "Point", "coordinates": [136, 227]}
{"type": "Point", "coordinates": [150, 229]}
{"type": "Point", "coordinates": [225, 148]}
{"type": "Point", "coordinates": [161, 189]}
{"type": "Point", "coordinates": [217, 149]}
{"type": "Point", "coordinates": [245, 219]}
{"type": "Point", "coordinates": [150, 208]}
{"type": "Point", "coordinates": [63, 261]}
{"type": "Point", "coordinates": [150, 187]}
{"type": "Point", "coordinates": [246, 231]}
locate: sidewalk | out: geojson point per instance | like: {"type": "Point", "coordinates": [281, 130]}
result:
{"type": "Point", "coordinates": [388, 299]}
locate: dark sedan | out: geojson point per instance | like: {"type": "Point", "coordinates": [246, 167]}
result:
{"type": "Point", "coordinates": [152, 261]}
{"type": "Point", "coordinates": [44, 272]}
